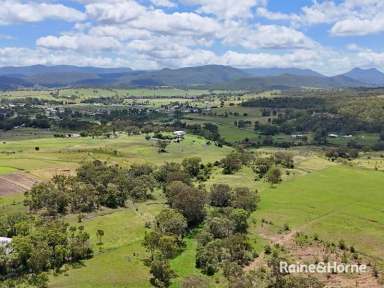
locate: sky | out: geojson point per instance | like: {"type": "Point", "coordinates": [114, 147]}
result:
{"type": "Point", "coordinates": [329, 36]}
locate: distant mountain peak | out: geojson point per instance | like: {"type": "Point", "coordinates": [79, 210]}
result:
{"type": "Point", "coordinates": [371, 76]}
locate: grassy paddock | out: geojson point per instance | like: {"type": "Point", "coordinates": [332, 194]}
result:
{"type": "Point", "coordinates": [57, 154]}
{"type": "Point", "coordinates": [337, 203]}
{"type": "Point", "coordinates": [119, 261]}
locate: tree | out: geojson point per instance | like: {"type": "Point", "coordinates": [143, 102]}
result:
{"type": "Point", "coordinates": [239, 218]}
{"type": "Point", "coordinates": [320, 136]}
{"type": "Point", "coordinates": [231, 163]}
{"type": "Point", "coordinates": [188, 200]}
{"type": "Point", "coordinates": [220, 195]}
{"type": "Point", "coordinates": [261, 166]}
{"type": "Point", "coordinates": [274, 176]}
{"type": "Point", "coordinates": [192, 166]}
{"type": "Point", "coordinates": [151, 242]}
{"type": "Point", "coordinates": [285, 159]}
{"type": "Point", "coordinates": [171, 222]}
{"type": "Point", "coordinates": [169, 246]}
{"type": "Point", "coordinates": [220, 227]}
{"type": "Point", "coordinates": [99, 235]}
{"type": "Point", "coordinates": [170, 172]}
{"type": "Point", "coordinates": [162, 145]}
{"type": "Point", "coordinates": [161, 273]}
{"type": "Point", "coordinates": [244, 198]}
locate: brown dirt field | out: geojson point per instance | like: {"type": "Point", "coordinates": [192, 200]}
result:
{"type": "Point", "coordinates": [313, 253]}
{"type": "Point", "coordinates": [16, 183]}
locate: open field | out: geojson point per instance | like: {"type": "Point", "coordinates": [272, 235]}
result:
{"type": "Point", "coordinates": [15, 183]}
{"type": "Point", "coordinates": [56, 155]}
{"type": "Point", "coordinates": [120, 262]}
{"type": "Point", "coordinates": [78, 94]}
{"type": "Point", "coordinates": [319, 196]}
{"type": "Point", "coordinates": [336, 203]}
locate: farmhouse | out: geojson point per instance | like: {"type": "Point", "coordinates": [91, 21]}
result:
{"type": "Point", "coordinates": [179, 134]}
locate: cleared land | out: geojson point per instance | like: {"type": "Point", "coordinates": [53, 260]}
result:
{"type": "Point", "coordinates": [336, 203]}
{"type": "Point", "coordinates": [15, 183]}
{"type": "Point", "coordinates": [58, 155]}
{"type": "Point", "coordinates": [330, 199]}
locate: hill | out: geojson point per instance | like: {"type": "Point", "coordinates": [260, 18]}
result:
{"type": "Point", "coordinates": [266, 72]}
{"type": "Point", "coordinates": [292, 81]}
{"type": "Point", "coordinates": [10, 82]}
{"type": "Point", "coordinates": [369, 76]}
{"type": "Point", "coordinates": [208, 76]}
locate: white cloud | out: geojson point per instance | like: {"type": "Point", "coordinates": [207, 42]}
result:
{"type": "Point", "coordinates": [264, 12]}
{"type": "Point", "coordinates": [176, 23]}
{"type": "Point", "coordinates": [17, 11]}
{"type": "Point", "coordinates": [267, 36]}
{"type": "Point", "coordinates": [16, 56]}
{"type": "Point", "coordinates": [349, 18]}
{"type": "Point", "coordinates": [82, 42]}
{"type": "Point", "coordinates": [358, 27]}
{"type": "Point", "coordinates": [120, 32]}
{"type": "Point", "coordinates": [114, 12]}
{"type": "Point", "coordinates": [226, 9]}
{"type": "Point", "coordinates": [115, 33]}
{"type": "Point", "coordinates": [163, 3]}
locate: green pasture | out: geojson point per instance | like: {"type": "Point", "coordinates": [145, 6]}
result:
{"type": "Point", "coordinates": [366, 139]}
{"type": "Point", "coordinates": [6, 170]}
{"type": "Point", "coordinates": [119, 261]}
{"type": "Point", "coordinates": [86, 93]}
{"type": "Point", "coordinates": [337, 203]}
{"type": "Point", "coordinates": [67, 153]}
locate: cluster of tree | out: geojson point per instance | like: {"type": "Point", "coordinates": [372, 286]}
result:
{"type": "Point", "coordinates": [243, 123]}
{"type": "Point", "coordinates": [224, 239]}
{"type": "Point", "coordinates": [39, 245]}
{"type": "Point", "coordinates": [316, 103]}
{"type": "Point", "coordinates": [188, 200]}
{"type": "Point", "coordinates": [38, 121]}
{"type": "Point", "coordinates": [190, 169]}
{"type": "Point", "coordinates": [105, 100]}
{"type": "Point", "coordinates": [272, 276]}
{"type": "Point", "coordinates": [96, 184]}
{"type": "Point", "coordinates": [132, 113]}
{"type": "Point", "coordinates": [319, 116]}
{"type": "Point", "coordinates": [164, 242]}
{"type": "Point", "coordinates": [268, 167]}
{"type": "Point", "coordinates": [342, 152]}
{"type": "Point", "coordinates": [209, 131]}
{"type": "Point", "coordinates": [235, 160]}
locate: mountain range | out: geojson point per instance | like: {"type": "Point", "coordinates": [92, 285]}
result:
{"type": "Point", "coordinates": [210, 76]}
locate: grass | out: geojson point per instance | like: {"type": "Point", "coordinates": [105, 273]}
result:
{"type": "Point", "coordinates": [332, 200]}
{"type": "Point", "coordinates": [86, 93]}
{"type": "Point", "coordinates": [6, 170]}
{"type": "Point", "coordinates": [120, 263]}
{"type": "Point", "coordinates": [366, 139]}
{"type": "Point", "coordinates": [337, 203]}
{"type": "Point", "coordinates": [55, 154]}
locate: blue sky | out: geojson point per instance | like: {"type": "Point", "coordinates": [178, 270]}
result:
{"type": "Point", "coordinates": [328, 36]}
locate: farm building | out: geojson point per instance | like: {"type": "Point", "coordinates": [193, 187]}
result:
{"type": "Point", "coordinates": [179, 134]}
